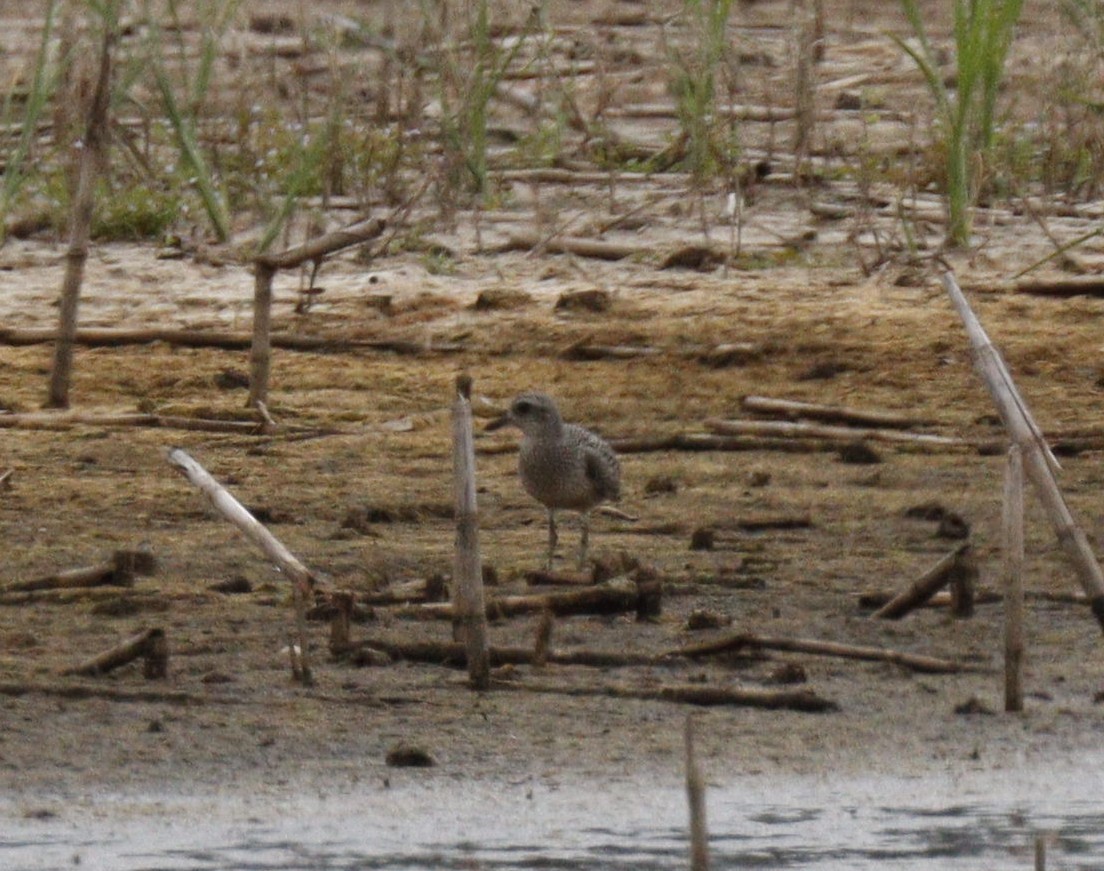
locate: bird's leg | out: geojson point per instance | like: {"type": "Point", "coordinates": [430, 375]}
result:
{"type": "Point", "coordinates": [584, 539]}
{"type": "Point", "coordinates": [552, 537]}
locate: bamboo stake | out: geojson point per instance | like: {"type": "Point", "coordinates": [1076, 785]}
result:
{"type": "Point", "coordinates": [80, 225]}
{"type": "Point", "coordinates": [302, 578]}
{"type": "Point", "coordinates": [1039, 463]}
{"type": "Point", "coordinates": [469, 609]}
{"type": "Point", "coordinates": [1013, 582]}
{"type": "Point", "coordinates": [695, 794]}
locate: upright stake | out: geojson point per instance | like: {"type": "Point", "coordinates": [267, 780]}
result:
{"type": "Point", "coordinates": [260, 355]}
{"type": "Point", "coordinates": [1013, 581]}
{"type": "Point", "coordinates": [695, 794]}
{"type": "Point", "coordinates": [80, 226]}
{"type": "Point", "coordinates": [467, 594]}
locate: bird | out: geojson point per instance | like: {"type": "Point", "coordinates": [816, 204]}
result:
{"type": "Point", "coordinates": [561, 465]}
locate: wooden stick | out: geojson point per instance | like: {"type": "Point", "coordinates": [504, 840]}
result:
{"type": "Point", "coordinates": [62, 420]}
{"type": "Point", "coordinates": [111, 337]}
{"type": "Point", "coordinates": [119, 571]}
{"type": "Point", "coordinates": [794, 409]}
{"type": "Point", "coordinates": [326, 244]}
{"type": "Point", "coordinates": [454, 653]}
{"type": "Point", "coordinates": [80, 223]}
{"type": "Point", "coordinates": [260, 353]}
{"type": "Point", "coordinates": [150, 643]}
{"type": "Point", "coordinates": [581, 247]}
{"type": "Point", "coordinates": [695, 795]}
{"type": "Point", "coordinates": [743, 640]}
{"type": "Point", "coordinates": [924, 587]}
{"type": "Point", "coordinates": [303, 580]}
{"type": "Point", "coordinates": [1039, 463]}
{"type": "Point", "coordinates": [787, 429]}
{"type": "Point", "coordinates": [694, 694]}
{"type": "Point", "coordinates": [265, 268]}
{"type": "Point", "coordinates": [1013, 529]}
{"type": "Point", "coordinates": [613, 597]}
{"type": "Point", "coordinates": [468, 606]}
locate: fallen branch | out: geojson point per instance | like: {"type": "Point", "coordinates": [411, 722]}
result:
{"type": "Point", "coordinates": [119, 571]}
{"type": "Point", "coordinates": [742, 641]}
{"type": "Point", "coordinates": [150, 645]}
{"type": "Point", "coordinates": [613, 597]}
{"type": "Point", "coordinates": [326, 244]}
{"type": "Point", "coordinates": [945, 571]}
{"type": "Point", "coordinates": [793, 409]}
{"type": "Point", "coordinates": [694, 442]}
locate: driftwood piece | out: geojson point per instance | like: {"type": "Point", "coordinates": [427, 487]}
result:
{"type": "Point", "coordinates": [469, 607]}
{"type": "Point", "coordinates": [742, 641]}
{"type": "Point", "coordinates": [150, 645]}
{"type": "Point", "coordinates": [924, 587]}
{"type": "Point", "coordinates": [303, 580]}
{"type": "Point", "coordinates": [616, 596]}
{"type": "Point", "coordinates": [788, 429]}
{"type": "Point", "coordinates": [793, 409]}
{"type": "Point", "coordinates": [119, 571]}
{"type": "Point", "coordinates": [90, 167]}
{"type": "Point", "coordinates": [1039, 463]}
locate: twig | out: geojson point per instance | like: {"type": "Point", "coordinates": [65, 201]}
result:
{"type": "Point", "coordinates": [924, 587]}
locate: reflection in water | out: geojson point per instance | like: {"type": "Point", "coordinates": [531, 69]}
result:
{"type": "Point", "coordinates": [858, 826]}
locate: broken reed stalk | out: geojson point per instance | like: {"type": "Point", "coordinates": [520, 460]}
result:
{"type": "Point", "coordinates": [695, 794]}
{"type": "Point", "coordinates": [1039, 463]}
{"type": "Point", "coordinates": [92, 155]}
{"type": "Point", "coordinates": [795, 409]}
{"type": "Point", "coordinates": [923, 588]}
{"type": "Point", "coordinates": [1013, 527]}
{"type": "Point", "coordinates": [301, 577]}
{"type": "Point", "coordinates": [469, 609]}
{"type": "Point", "coordinates": [151, 645]}
{"type": "Point", "coordinates": [265, 267]}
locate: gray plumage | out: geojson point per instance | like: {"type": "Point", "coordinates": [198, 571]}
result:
{"type": "Point", "coordinates": [561, 465]}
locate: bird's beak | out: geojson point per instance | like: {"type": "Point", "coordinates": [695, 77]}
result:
{"type": "Point", "coordinates": [497, 423]}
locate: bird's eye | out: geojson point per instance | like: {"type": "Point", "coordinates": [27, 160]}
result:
{"type": "Point", "coordinates": [523, 407]}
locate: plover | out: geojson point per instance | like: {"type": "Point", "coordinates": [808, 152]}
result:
{"type": "Point", "coordinates": [561, 465]}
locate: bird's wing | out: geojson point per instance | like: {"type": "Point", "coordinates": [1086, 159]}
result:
{"type": "Point", "coordinates": [603, 471]}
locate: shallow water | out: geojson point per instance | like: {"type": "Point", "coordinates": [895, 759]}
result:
{"type": "Point", "coordinates": [983, 820]}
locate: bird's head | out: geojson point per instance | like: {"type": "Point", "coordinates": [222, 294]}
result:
{"type": "Point", "coordinates": [532, 413]}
